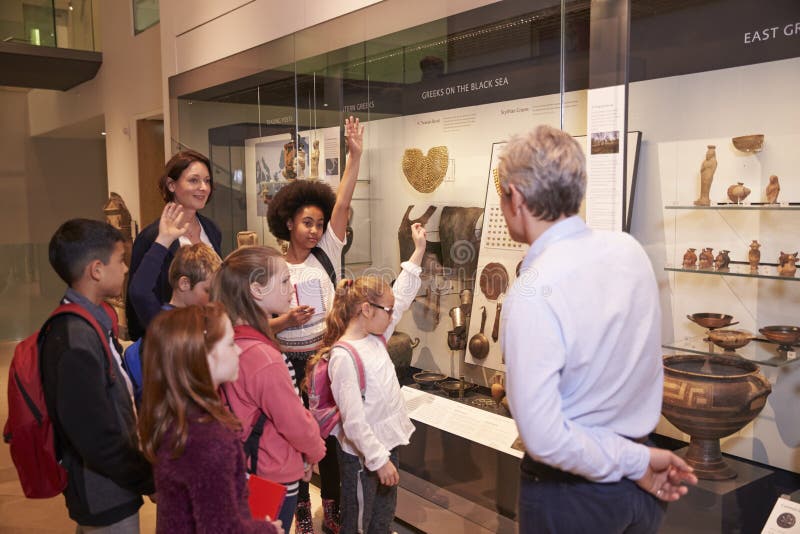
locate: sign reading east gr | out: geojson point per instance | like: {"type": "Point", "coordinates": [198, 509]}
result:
{"type": "Point", "coordinates": [790, 30]}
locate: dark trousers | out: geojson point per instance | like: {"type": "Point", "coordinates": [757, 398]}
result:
{"type": "Point", "coordinates": [551, 501]}
{"type": "Point", "coordinates": [329, 465]}
{"type": "Point", "coordinates": [367, 506]}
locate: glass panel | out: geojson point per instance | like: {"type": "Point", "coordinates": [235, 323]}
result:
{"type": "Point", "coordinates": [61, 23]}
{"type": "Point", "coordinates": [145, 14]}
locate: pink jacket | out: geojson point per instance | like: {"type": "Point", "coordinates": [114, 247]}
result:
{"type": "Point", "coordinates": [264, 382]}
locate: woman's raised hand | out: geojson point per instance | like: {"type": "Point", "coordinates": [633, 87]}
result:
{"type": "Point", "coordinates": [171, 225]}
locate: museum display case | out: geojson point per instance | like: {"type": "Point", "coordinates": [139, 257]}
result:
{"type": "Point", "coordinates": [440, 99]}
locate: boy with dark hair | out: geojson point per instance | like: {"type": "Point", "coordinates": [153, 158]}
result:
{"type": "Point", "coordinates": [88, 395]}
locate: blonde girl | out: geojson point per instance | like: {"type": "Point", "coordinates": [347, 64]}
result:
{"type": "Point", "coordinates": [253, 284]}
{"type": "Point", "coordinates": [365, 313]}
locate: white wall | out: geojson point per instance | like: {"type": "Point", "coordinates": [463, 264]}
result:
{"type": "Point", "coordinates": [127, 87]}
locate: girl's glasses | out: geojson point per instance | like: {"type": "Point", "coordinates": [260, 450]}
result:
{"type": "Point", "coordinates": [387, 310]}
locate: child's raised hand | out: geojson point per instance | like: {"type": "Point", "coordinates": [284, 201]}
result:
{"type": "Point", "coordinates": [354, 136]}
{"type": "Point", "coordinates": [419, 235]}
{"type": "Point", "coordinates": [171, 225]}
{"type": "Point", "coordinates": [388, 474]}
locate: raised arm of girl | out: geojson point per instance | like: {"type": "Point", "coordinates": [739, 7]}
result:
{"type": "Point", "coordinates": [407, 285]}
{"type": "Point", "coordinates": [354, 135]}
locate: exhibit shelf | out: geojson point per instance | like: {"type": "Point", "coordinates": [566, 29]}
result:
{"type": "Point", "coordinates": [738, 269]}
{"type": "Point", "coordinates": [793, 206]}
{"type": "Point", "coordinates": [759, 351]}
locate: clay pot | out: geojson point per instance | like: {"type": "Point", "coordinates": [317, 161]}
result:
{"type": "Point", "coordinates": [711, 320]}
{"type": "Point", "coordinates": [400, 348]}
{"type": "Point", "coordinates": [730, 340]}
{"type": "Point", "coordinates": [785, 336]}
{"type": "Point", "coordinates": [749, 143]}
{"type": "Point", "coordinates": [710, 397]}
{"type": "Point", "coordinates": [689, 258]}
{"type": "Point", "coordinates": [738, 192]}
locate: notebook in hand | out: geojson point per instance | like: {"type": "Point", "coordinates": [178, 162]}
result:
{"type": "Point", "coordinates": [266, 497]}
{"type": "Point", "coordinates": [309, 293]}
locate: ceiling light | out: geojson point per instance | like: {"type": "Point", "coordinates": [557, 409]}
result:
{"type": "Point", "coordinates": [102, 133]}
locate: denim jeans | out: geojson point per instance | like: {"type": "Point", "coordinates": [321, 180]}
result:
{"type": "Point", "coordinates": [286, 514]}
{"type": "Point", "coordinates": [365, 501]}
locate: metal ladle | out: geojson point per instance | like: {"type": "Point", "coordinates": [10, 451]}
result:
{"type": "Point", "coordinates": [479, 343]}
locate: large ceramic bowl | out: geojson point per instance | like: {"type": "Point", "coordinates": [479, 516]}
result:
{"type": "Point", "coordinates": [711, 320]}
{"type": "Point", "coordinates": [730, 340]}
{"type": "Point", "coordinates": [749, 143]}
{"type": "Point", "coordinates": [710, 397]}
{"type": "Point", "coordinates": [785, 336]}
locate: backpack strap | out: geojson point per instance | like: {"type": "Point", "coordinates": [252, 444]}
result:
{"type": "Point", "coordinates": [76, 309]}
{"type": "Point", "coordinates": [326, 263]}
{"type": "Point", "coordinates": [357, 363]}
{"type": "Point", "coordinates": [251, 443]}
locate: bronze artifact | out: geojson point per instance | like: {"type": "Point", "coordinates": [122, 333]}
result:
{"type": "Point", "coordinates": [730, 340]}
{"type": "Point", "coordinates": [773, 188]}
{"type": "Point", "coordinates": [289, 155]}
{"type": "Point", "coordinates": [479, 344]}
{"type": "Point", "coordinates": [738, 192]}
{"type": "Point", "coordinates": [432, 261]}
{"type": "Point", "coordinates": [689, 258]}
{"type": "Point", "coordinates": [722, 260]}
{"type": "Point", "coordinates": [519, 267]}
{"type": "Point", "coordinates": [711, 320]}
{"type": "Point", "coordinates": [457, 340]}
{"type": "Point", "coordinates": [460, 240]}
{"type": "Point", "coordinates": [711, 404]}
{"type": "Point", "coordinates": [787, 264]}
{"type": "Point", "coordinates": [465, 296]}
{"type": "Point", "coordinates": [425, 173]}
{"type": "Point", "coordinates": [754, 256]}
{"type": "Point", "coordinates": [455, 388]}
{"type": "Point", "coordinates": [246, 238]}
{"type": "Point", "coordinates": [457, 316]}
{"type": "Point", "coordinates": [706, 258]}
{"type": "Point", "coordinates": [428, 379]}
{"type": "Point", "coordinates": [785, 336]}
{"type": "Point", "coordinates": [496, 327]}
{"type": "Point", "coordinates": [707, 169]}
{"type": "Point", "coordinates": [494, 280]}
{"type": "Point", "coordinates": [749, 143]}
{"type": "Point", "coordinates": [426, 312]}
{"type": "Point", "coordinates": [400, 348]}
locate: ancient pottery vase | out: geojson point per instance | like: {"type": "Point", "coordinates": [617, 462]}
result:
{"type": "Point", "coordinates": [706, 258]}
{"type": "Point", "coordinates": [710, 397]}
{"type": "Point", "coordinates": [738, 192]}
{"type": "Point", "coordinates": [400, 348]}
{"type": "Point", "coordinates": [773, 188]}
{"type": "Point", "coordinates": [689, 258]}
{"type": "Point", "coordinates": [722, 260]}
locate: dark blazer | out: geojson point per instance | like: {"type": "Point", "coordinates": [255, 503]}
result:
{"type": "Point", "coordinates": [162, 290]}
{"type": "Point", "coordinates": [95, 425]}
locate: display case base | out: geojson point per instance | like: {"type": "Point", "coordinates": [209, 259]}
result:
{"type": "Point", "coordinates": [740, 504]}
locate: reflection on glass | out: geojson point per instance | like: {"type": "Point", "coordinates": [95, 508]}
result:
{"type": "Point", "coordinates": [145, 14]}
{"type": "Point", "coordinates": [57, 23]}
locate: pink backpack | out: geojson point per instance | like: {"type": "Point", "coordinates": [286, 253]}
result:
{"type": "Point", "coordinates": [320, 398]}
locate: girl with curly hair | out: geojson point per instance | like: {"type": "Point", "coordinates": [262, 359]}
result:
{"type": "Point", "coordinates": [313, 219]}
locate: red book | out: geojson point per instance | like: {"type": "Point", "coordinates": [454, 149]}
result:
{"type": "Point", "coordinates": [266, 497]}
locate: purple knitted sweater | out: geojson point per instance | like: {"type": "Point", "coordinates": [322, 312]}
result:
{"type": "Point", "coordinates": [205, 489]}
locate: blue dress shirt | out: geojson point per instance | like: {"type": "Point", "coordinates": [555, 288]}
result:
{"type": "Point", "coordinates": [581, 337]}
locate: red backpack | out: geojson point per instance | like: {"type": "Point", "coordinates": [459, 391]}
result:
{"type": "Point", "coordinates": [29, 430]}
{"type": "Point", "coordinates": [321, 403]}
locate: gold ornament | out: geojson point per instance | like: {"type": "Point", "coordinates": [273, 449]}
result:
{"type": "Point", "coordinates": [496, 176]}
{"type": "Point", "coordinates": [425, 173]}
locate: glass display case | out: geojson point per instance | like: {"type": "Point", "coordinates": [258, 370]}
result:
{"type": "Point", "coordinates": [439, 99]}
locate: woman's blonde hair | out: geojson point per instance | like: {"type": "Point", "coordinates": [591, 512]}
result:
{"type": "Point", "coordinates": [350, 295]}
{"type": "Point", "coordinates": [177, 377]}
{"type": "Point", "coordinates": [231, 285]}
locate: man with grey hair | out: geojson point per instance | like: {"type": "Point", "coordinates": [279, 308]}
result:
{"type": "Point", "coordinates": [582, 344]}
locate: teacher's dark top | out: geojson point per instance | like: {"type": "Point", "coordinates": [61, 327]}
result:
{"type": "Point", "coordinates": [163, 290]}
